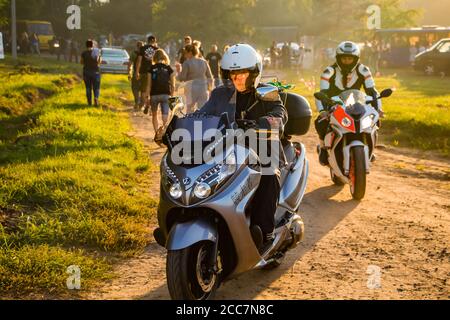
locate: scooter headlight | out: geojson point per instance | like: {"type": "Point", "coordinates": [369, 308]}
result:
{"type": "Point", "coordinates": [202, 190]}
{"type": "Point", "coordinates": [175, 191]}
{"type": "Point", "coordinates": [208, 182]}
{"type": "Point", "coordinates": [366, 122]}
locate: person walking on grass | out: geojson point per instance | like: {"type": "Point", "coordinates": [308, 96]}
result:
{"type": "Point", "coordinates": [143, 64]}
{"type": "Point", "coordinates": [34, 44]}
{"type": "Point", "coordinates": [214, 58]}
{"type": "Point", "coordinates": [182, 51]}
{"type": "Point", "coordinates": [161, 86]}
{"type": "Point", "coordinates": [74, 50]}
{"type": "Point", "coordinates": [197, 73]}
{"type": "Point", "coordinates": [91, 60]}
{"type": "Point", "coordinates": [132, 76]}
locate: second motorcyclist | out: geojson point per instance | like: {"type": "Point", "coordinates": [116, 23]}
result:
{"type": "Point", "coordinates": [346, 74]}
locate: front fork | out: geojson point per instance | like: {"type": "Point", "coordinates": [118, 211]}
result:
{"type": "Point", "coordinates": [213, 264]}
{"type": "Point", "coordinates": [347, 154]}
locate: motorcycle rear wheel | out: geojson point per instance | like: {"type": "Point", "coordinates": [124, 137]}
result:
{"type": "Point", "coordinates": [357, 173]}
{"type": "Point", "coordinates": [187, 277]}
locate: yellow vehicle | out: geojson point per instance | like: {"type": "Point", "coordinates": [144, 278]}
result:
{"type": "Point", "coordinates": [43, 29]}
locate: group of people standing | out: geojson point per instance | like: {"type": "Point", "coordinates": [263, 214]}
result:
{"type": "Point", "coordinates": [283, 55]}
{"type": "Point", "coordinates": [67, 48]}
{"type": "Point", "coordinates": [154, 77]}
{"type": "Point", "coordinates": [29, 44]}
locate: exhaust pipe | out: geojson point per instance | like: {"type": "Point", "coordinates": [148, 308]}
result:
{"type": "Point", "coordinates": [297, 231]}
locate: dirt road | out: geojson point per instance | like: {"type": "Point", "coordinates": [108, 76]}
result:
{"type": "Point", "coordinates": [401, 228]}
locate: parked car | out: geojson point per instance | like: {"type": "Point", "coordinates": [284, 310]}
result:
{"type": "Point", "coordinates": [435, 60]}
{"type": "Point", "coordinates": [114, 60]}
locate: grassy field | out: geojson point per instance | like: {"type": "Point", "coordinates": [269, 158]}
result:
{"type": "Point", "coordinates": [417, 114]}
{"type": "Point", "coordinates": [72, 182]}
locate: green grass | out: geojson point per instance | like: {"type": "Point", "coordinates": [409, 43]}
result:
{"type": "Point", "coordinates": [70, 181]}
{"type": "Point", "coordinates": [417, 114]}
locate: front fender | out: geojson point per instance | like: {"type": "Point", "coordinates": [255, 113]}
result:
{"type": "Point", "coordinates": [346, 152]}
{"type": "Point", "coordinates": [184, 235]}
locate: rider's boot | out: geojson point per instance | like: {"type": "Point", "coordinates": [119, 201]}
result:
{"type": "Point", "coordinates": [267, 244]}
{"type": "Point", "coordinates": [323, 154]}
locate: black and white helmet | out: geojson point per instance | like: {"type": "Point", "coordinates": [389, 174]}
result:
{"type": "Point", "coordinates": [243, 57]}
{"type": "Point", "coordinates": [348, 49]}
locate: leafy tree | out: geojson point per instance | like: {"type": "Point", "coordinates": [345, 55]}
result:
{"type": "Point", "coordinates": [124, 16]}
{"type": "Point", "coordinates": [212, 20]}
{"type": "Point", "coordinates": [209, 20]}
{"type": "Point", "coordinates": [393, 16]}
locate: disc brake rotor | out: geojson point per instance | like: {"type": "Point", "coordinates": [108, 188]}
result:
{"type": "Point", "coordinates": [205, 278]}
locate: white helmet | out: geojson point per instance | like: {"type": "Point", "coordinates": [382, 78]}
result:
{"type": "Point", "coordinates": [243, 57]}
{"type": "Point", "coordinates": [348, 49]}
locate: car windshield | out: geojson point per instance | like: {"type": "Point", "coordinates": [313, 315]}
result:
{"type": "Point", "coordinates": [114, 53]}
{"type": "Point", "coordinates": [437, 44]}
{"type": "Point", "coordinates": [351, 97]}
{"type": "Point", "coordinates": [43, 29]}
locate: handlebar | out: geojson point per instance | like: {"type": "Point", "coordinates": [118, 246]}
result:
{"type": "Point", "coordinates": [246, 124]}
{"type": "Point", "coordinates": [329, 103]}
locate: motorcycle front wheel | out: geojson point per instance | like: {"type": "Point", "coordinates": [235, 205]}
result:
{"type": "Point", "coordinates": [357, 173]}
{"type": "Point", "coordinates": [188, 277]}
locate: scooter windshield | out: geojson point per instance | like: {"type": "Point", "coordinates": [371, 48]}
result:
{"type": "Point", "coordinates": [196, 137]}
{"type": "Point", "coordinates": [200, 127]}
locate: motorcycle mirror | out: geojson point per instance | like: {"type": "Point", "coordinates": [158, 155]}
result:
{"type": "Point", "coordinates": [386, 93]}
{"type": "Point", "coordinates": [173, 101]}
{"type": "Point", "coordinates": [320, 96]}
{"type": "Point", "coordinates": [269, 93]}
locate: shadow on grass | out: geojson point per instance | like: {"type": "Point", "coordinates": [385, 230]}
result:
{"type": "Point", "coordinates": [74, 107]}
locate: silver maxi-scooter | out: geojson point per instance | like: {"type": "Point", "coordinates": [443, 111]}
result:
{"type": "Point", "coordinates": [204, 212]}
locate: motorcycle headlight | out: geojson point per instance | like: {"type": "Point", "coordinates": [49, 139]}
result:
{"type": "Point", "coordinates": [202, 190]}
{"type": "Point", "coordinates": [346, 122]}
{"type": "Point", "coordinates": [175, 191]}
{"type": "Point", "coordinates": [366, 122]}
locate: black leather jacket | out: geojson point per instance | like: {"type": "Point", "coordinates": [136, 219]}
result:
{"type": "Point", "coordinates": [223, 100]}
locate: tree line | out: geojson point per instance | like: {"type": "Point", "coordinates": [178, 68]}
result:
{"type": "Point", "coordinates": [210, 20]}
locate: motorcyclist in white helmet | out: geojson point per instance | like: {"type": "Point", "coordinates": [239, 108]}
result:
{"type": "Point", "coordinates": [241, 70]}
{"type": "Point", "coordinates": [346, 74]}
